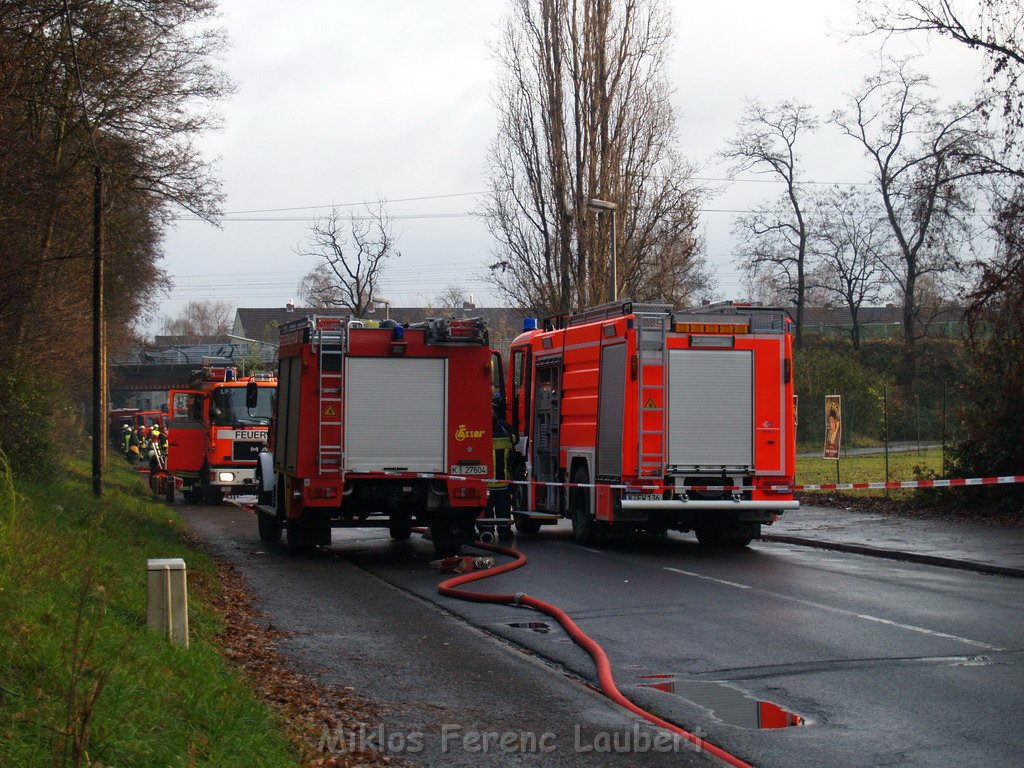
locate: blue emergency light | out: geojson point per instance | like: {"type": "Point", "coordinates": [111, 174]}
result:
{"type": "Point", "coordinates": [529, 324]}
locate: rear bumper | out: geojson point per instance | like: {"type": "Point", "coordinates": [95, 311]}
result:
{"type": "Point", "coordinates": [723, 505]}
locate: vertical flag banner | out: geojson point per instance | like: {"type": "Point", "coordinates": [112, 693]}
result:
{"type": "Point", "coordinates": [833, 425]}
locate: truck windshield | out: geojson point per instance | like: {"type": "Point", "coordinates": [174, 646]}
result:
{"type": "Point", "coordinates": [228, 407]}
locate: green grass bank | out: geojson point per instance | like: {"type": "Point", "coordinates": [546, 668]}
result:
{"type": "Point", "coordinates": [82, 681]}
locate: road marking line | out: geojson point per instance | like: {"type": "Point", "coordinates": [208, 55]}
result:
{"type": "Point", "coordinates": [708, 578]}
{"type": "Point", "coordinates": [888, 622]}
{"type": "Point", "coordinates": [844, 612]}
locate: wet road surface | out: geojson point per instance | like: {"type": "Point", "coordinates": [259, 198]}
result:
{"type": "Point", "coordinates": [885, 663]}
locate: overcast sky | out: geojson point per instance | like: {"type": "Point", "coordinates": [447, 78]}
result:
{"type": "Point", "coordinates": [343, 101]}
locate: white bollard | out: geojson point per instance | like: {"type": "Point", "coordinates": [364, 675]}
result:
{"type": "Point", "coordinates": [167, 599]}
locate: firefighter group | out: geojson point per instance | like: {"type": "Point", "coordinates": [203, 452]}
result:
{"type": "Point", "coordinates": [142, 445]}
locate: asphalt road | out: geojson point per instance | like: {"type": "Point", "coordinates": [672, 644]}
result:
{"type": "Point", "coordinates": [888, 663]}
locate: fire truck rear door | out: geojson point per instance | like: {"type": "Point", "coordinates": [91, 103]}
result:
{"type": "Point", "coordinates": [711, 411]}
{"type": "Point", "coordinates": [187, 434]}
{"type": "Point", "coordinates": [396, 414]}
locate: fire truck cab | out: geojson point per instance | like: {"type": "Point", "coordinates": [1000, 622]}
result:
{"type": "Point", "coordinates": [640, 416]}
{"type": "Point", "coordinates": [386, 426]}
{"type": "Point", "coordinates": [216, 430]}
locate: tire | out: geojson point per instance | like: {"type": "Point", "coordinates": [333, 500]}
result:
{"type": "Point", "coordinates": [710, 535]}
{"type": "Point", "coordinates": [213, 496]}
{"type": "Point", "coordinates": [584, 526]}
{"type": "Point", "coordinates": [192, 496]}
{"type": "Point", "coordinates": [302, 539]}
{"type": "Point", "coordinates": [451, 533]}
{"type": "Point", "coordinates": [525, 524]}
{"type": "Point", "coordinates": [269, 527]}
{"type": "Point", "coordinates": [400, 532]}
{"type": "Point", "coordinates": [718, 537]}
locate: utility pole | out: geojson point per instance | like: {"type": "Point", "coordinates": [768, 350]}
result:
{"type": "Point", "coordinates": [99, 341]}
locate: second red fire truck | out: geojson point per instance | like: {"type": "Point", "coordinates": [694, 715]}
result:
{"type": "Point", "coordinates": [216, 430]}
{"type": "Point", "coordinates": [385, 426]}
{"type": "Point", "coordinates": [640, 416]}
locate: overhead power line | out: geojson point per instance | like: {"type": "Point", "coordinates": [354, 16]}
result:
{"type": "Point", "coordinates": [387, 201]}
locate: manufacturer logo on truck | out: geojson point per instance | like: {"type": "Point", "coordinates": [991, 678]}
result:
{"type": "Point", "coordinates": [462, 433]}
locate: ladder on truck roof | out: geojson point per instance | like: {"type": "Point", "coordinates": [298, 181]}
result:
{"type": "Point", "coordinates": [652, 329]}
{"type": "Point", "coordinates": [329, 344]}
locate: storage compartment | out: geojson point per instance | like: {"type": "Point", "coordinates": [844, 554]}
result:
{"type": "Point", "coordinates": [396, 414]}
{"type": "Point", "coordinates": [711, 409]}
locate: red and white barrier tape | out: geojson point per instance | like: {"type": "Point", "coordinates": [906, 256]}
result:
{"type": "Point", "coordinates": [955, 482]}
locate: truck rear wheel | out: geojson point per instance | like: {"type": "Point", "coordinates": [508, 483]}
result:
{"type": "Point", "coordinates": [451, 533]}
{"type": "Point", "coordinates": [302, 539]}
{"type": "Point", "coordinates": [269, 527]}
{"type": "Point", "coordinates": [584, 526]}
{"type": "Point", "coordinates": [400, 531]}
{"type": "Point", "coordinates": [735, 536]}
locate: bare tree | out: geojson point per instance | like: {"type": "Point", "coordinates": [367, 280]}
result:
{"type": "Point", "coordinates": [585, 112]}
{"type": "Point", "coordinates": [923, 157]}
{"type": "Point", "coordinates": [353, 250]}
{"type": "Point", "coordinates": [765, 142]}
{"type": "Point", "coordinates": [995, 27]}
{"type": "Point", "coordinates": [850, 241]}
{"type": "Point", "coordinates": [200, 319]}
{"type": "Point", "coordinates": [767, 249]}
{"type": "Point", "coordinates": [452, 297]}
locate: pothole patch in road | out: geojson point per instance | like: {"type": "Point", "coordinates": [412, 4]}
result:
{"type": "Point", "coordinates": [730, 705]}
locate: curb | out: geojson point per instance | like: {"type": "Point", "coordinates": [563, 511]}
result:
{"type": "Point", "coordinates": [894, 554]}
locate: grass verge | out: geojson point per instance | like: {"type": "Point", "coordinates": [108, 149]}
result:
{"type": "Point", "coordinates": [909, 465]}
{"type": "Point", "coordinates": [84, 682]}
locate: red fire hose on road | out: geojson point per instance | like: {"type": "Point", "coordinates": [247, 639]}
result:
{"type": "Point", "coordinates": [606, 680]}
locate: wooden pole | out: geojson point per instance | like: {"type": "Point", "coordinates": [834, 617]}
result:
{"type": "Point", "coordinates": [99, 341]}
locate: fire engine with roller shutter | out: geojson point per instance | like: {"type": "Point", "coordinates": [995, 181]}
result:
{"type": "Point", "coordinates": [216, 431]}
{"type": "Point", "coordinates": [386, 426]}
{"type": "Point", "coordinates": [640, 416]}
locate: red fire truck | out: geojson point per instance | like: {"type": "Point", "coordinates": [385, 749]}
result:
{"type": "Point", "coordinates": [385, 427]}
{"type": "Point", "coordinates": [638, 416]}
{"type": "Point", "coordinates": [216, 430]}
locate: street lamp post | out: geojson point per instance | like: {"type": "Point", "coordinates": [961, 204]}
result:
{"type": "Point", "coordinates": [385, 302]}
{"type": "Point", "coordinates": [601, 206]}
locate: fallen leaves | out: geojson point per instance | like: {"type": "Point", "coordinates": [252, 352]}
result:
{"type": "Point", "coordinates": [306, 708]}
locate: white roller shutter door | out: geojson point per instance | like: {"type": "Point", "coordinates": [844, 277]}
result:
{"type": "Point", "coordinates": [711, 419]}
{"type": "Point", "coordinates": [395, 414]}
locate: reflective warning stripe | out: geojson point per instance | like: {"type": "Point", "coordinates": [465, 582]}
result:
{"type": "Point", "coordinates": [954, 482]}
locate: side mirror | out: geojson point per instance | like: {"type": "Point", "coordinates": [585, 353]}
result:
{"type": "Point", "coordinates": [252, 394]}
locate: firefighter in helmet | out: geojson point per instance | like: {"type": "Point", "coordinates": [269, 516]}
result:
{"type": "Point", "coordinates": [499, 493]}
{"type": "Point", "coordinates": [126, 439]}
{"type": "Point", "coordinates": [158, 448]}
